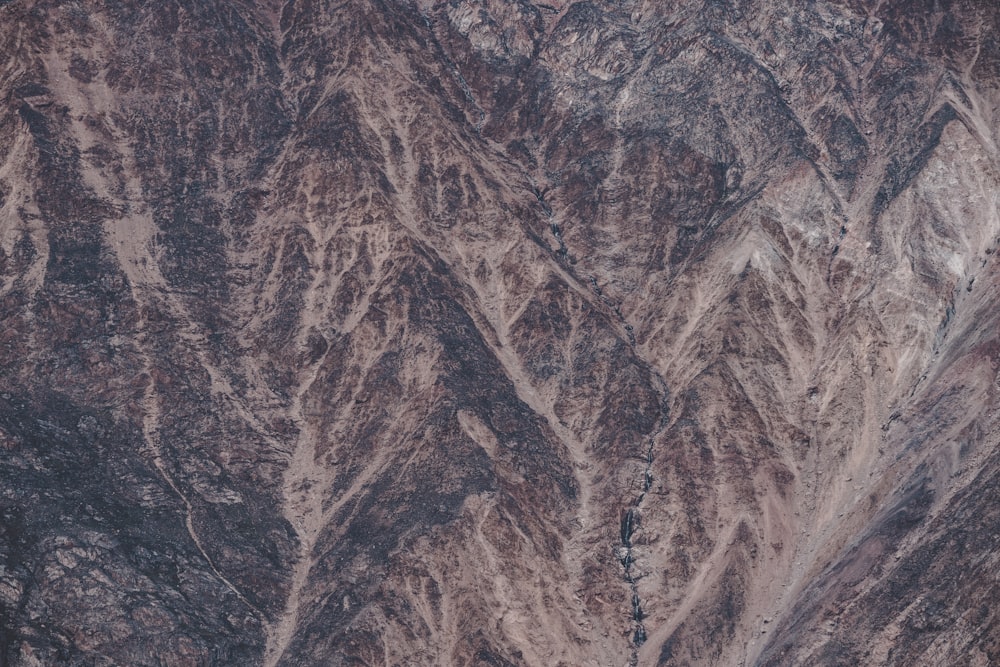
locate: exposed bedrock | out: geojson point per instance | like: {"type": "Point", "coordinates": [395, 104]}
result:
{"type": "Point", "coordinates": [499, 333]}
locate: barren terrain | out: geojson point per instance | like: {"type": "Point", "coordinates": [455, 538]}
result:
{"type": "Point", "coordinates": [499, 333]}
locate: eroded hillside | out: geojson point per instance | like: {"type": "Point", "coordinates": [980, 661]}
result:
{"type": "Point", "coordinates": [499, 333]}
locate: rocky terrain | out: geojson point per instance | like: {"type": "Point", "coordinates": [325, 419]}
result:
{"type": "Point", "coordinates": [501, 333]}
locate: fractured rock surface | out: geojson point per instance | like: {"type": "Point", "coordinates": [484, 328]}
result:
{"type": "Point", "coordinates": [499, 333]}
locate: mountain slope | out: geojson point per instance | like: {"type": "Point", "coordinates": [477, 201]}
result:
{"type": "Point", "coordinates": [498, 333]}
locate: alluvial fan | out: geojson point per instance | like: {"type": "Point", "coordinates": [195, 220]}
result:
{"type": "Point", "coordinates": [490, 332]}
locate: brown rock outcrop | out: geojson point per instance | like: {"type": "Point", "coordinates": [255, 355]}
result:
{"type": "Point", "coordinates": [499, 333]}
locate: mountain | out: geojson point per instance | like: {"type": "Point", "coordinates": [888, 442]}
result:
{"type": "Point", "coordinates": [499, 333]}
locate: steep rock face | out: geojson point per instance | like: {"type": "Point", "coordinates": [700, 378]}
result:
{"type": "Point", "coordinates": [499, 333]}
